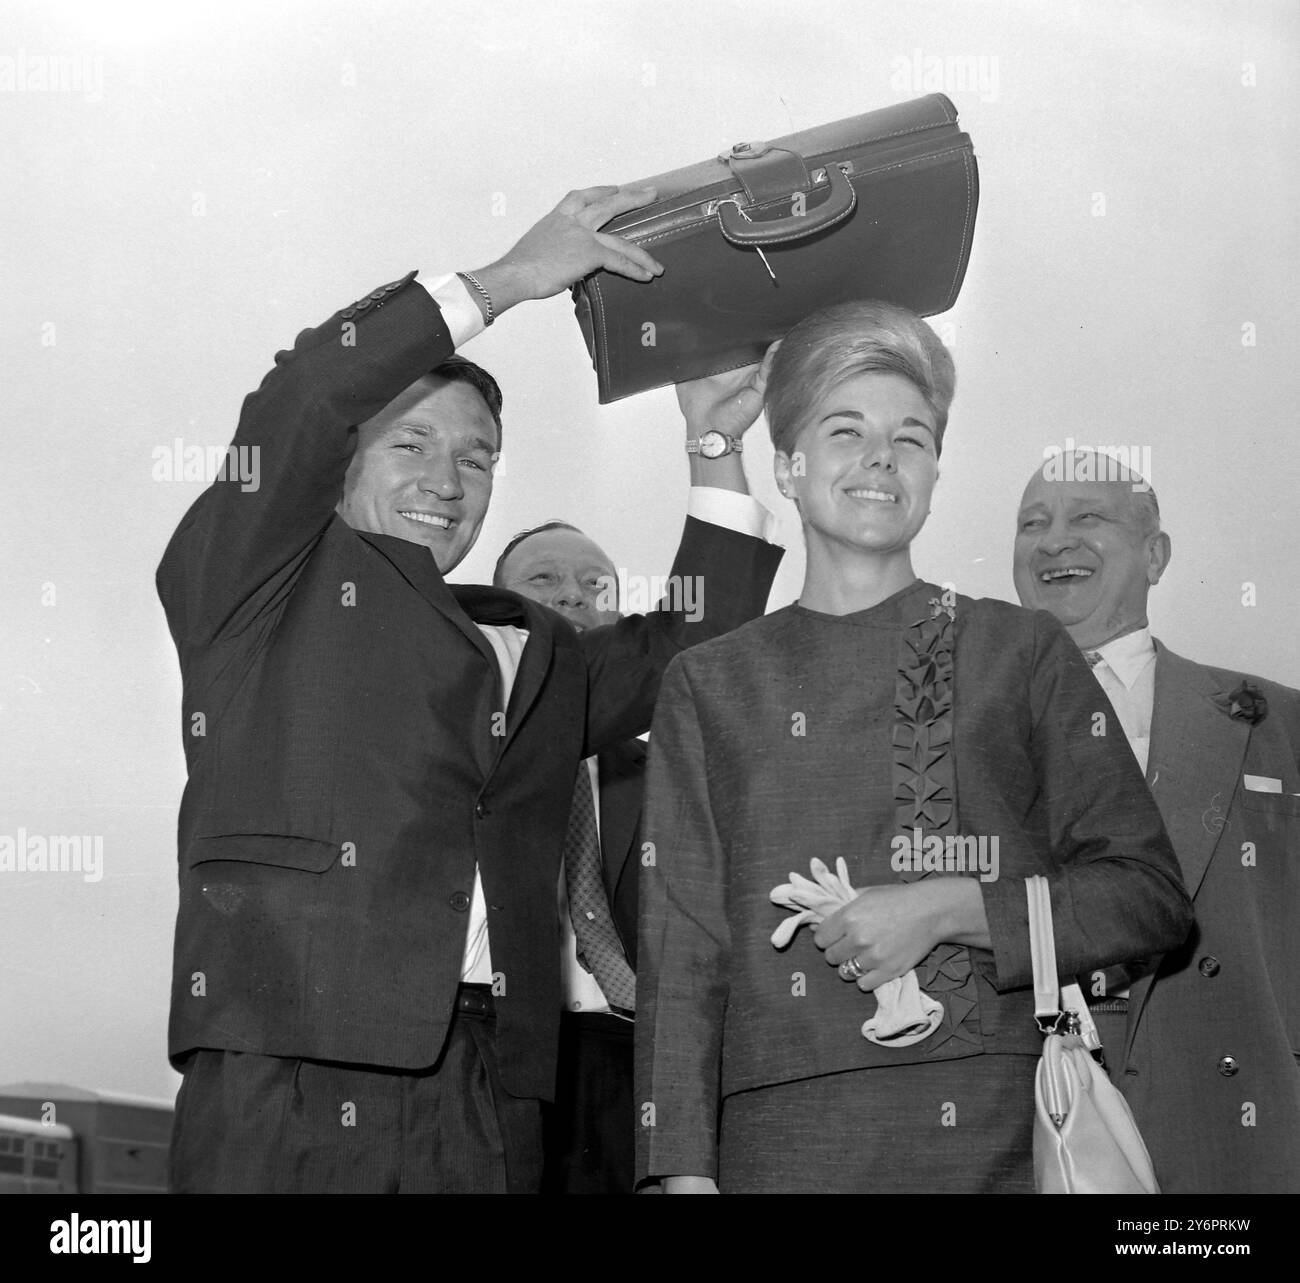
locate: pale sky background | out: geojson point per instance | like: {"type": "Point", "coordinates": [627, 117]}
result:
{"type": "Point", "coordinates": [239, 171]}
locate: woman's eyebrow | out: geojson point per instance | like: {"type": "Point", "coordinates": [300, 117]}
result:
{"type": "Point", "coordinates": [909, 422]}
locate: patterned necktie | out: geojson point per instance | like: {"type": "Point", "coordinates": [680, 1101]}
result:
{"type": "Point", "coordinates": [599, 949]}
{"type": "Point", "coordinates": [1093, 657]}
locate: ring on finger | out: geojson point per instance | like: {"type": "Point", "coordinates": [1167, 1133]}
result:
{"type": "Point", "coordinates": [851, 970]}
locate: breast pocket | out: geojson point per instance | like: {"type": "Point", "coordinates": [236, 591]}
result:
{"type": "Point", "coordinates": [1279, 806]}
{"type": "Point", "coordinates": [276, 850]}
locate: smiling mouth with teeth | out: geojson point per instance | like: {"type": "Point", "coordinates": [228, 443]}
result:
{"type": "Point", "coordinates": [878, 495]}
{"type": "Point", "coordinates": [1068, 572]}
{"type": "Point", "coordinates": [428, 519]}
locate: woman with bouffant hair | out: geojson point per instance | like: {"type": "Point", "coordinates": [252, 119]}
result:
{"type": "Point", "coordinates": [890, 760]}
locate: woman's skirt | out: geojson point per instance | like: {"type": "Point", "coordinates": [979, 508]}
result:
{"type": "Point", "coordinates": [946, 1127]}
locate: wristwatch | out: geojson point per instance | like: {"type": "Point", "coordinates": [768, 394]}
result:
{"type": "Point", "coordinates": [713, 445]}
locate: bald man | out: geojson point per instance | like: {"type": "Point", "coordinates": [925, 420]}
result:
{"type": "Point", "coordinates": [1205, 1043]}
{"type": "Point", "coordinates": [588, 1145]}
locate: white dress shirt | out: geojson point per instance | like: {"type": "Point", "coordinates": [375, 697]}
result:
{"type": "Point", "coordinates": [1127, 673]}
{"type": "Point", "coordinates": [739, 512]}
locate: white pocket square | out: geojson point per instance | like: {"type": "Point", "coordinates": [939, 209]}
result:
{"type": "Point", "coordinates": [1262, 784]}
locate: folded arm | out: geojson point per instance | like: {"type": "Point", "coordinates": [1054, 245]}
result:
{"type": "Point", "coordinates": [1117, 891]}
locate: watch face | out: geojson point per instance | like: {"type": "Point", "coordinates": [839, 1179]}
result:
{"type": "Point", "coordinates": [713, 445]}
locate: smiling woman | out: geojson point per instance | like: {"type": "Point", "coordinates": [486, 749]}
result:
{"type": "Point", "coordinates": [840, 728]}
{"type": "Point", "coordinates": [857, 404]}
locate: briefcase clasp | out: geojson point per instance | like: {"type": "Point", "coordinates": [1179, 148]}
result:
{"type": "Point", "coordinates": [744, 151]}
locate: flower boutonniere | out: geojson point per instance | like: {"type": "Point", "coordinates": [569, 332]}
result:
{"type": "Point", "coordinates": [1245, 703]}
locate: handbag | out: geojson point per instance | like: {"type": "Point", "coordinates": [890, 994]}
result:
{"type": "Point", "coordinates": [1085, 1139]}
{"type": "Point", "coordinates": [878, 206]}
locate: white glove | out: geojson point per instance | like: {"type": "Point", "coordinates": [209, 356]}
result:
{"type": "Point", "coordinates": [904, 1015]}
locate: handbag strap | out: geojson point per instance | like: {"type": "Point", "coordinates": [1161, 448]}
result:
{"type": "Point", "coordinates": [1053, 1001]}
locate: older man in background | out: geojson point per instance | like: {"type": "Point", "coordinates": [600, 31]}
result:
{"type": "Point", "coordinates": [1204, 1044]}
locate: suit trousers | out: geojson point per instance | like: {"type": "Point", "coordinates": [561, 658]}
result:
{"type": "Point", "coordinates": [248, 1123]}
{"type": "Point", "coordinates": [589, 1132]}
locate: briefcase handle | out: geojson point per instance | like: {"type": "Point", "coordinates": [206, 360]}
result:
{"type": "Point", "coordinates": [737, 228]}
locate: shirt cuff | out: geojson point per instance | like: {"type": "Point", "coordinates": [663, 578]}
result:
{"type": "Point", "coordinates": [733, 511]}
{"type": "Point", "coordinates": [460, 311]}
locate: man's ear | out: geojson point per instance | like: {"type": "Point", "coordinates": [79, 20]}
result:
{"type": "Point", "coordinates": [1158, 556]}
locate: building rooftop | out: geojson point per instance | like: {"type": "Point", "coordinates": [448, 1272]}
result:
{"type": "Point", "coordinates": [65, 1092]}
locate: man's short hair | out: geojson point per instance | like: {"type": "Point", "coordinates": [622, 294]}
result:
{"type": "Point", "coordinates": [456, 369]}
{"type": "Point", "coordinates": [498, 580]}
{"type": "Point", "coordinates": [1148, 509]}
{"type": "Point", "coordinates": [838, 342]}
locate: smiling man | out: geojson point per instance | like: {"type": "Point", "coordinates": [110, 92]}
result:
{"type": "Point", "coordinates": [422, 469]}
{"type": "Point", "coordinates": [365, 990]}
{"type": "Point", "coordinates": [1205, 1045]}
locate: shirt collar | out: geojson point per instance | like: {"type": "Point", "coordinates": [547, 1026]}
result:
{"type": "Point", "coordinates": [1128, 656]}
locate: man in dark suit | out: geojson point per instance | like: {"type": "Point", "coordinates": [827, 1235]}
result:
{"type": "Point", "coordinates": [381, 765]}
{"type": "Point", "coordinates": [1204, 1045]}
{"type": "Point", "coordinates": [590, 1127]}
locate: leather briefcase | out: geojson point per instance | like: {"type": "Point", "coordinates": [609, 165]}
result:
{"type": "Point", "coordinates": [876, 206]}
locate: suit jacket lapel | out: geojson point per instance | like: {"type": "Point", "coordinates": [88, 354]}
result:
{"type": "Point", "coordinates": [500, 606]}
{"type": "Point", "coordinates": [620, 808]}
{"type": "Point", "coordinates": [463, 604]}
{"type": "Point", "coordinates": [416, 565]}
{"type": "Point", "coordinates": [1193, 768]}
{"type": "Point", "coordinates": [534, 664]}
{"type": "Point", "coordinates": [1195, 762]}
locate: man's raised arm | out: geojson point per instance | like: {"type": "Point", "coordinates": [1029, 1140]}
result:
{"type": "Point", "coordinates": [723, 571]}
{"type": "Point", "coordinates": [240, 547]}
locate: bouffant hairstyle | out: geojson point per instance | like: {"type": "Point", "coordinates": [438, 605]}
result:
{"type": "Point", "coordinates": [839, 342]}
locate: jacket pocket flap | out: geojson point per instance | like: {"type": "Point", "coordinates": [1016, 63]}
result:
{"type": "Point", "coordinates": [1270, 803]}
{"type": "Point", "coordinates": [281, 850]}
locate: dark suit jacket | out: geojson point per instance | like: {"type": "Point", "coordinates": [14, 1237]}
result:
{"type": "Point", "coordinates": [344, 774]}
{"type": "Point", "coordinates": [1229, 999]}
{"type": "Point", "coordinates": [622, 786]}
{"type": "Point", "coordinates": [735, 802]}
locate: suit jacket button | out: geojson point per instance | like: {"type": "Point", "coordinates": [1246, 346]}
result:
{"type": "Point", "coordinates": [1228, 1066]}
{"type": "Point", "coordinates": [1208, 966]}
{"type": "Point", "coordinates": [377, 295]}
{"type": "Point", "coordinates": [480, 809]}
{"type": "Point", "coordinates": [348, 313]}
{"type": "Point", "coordinates": [459, 901]}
